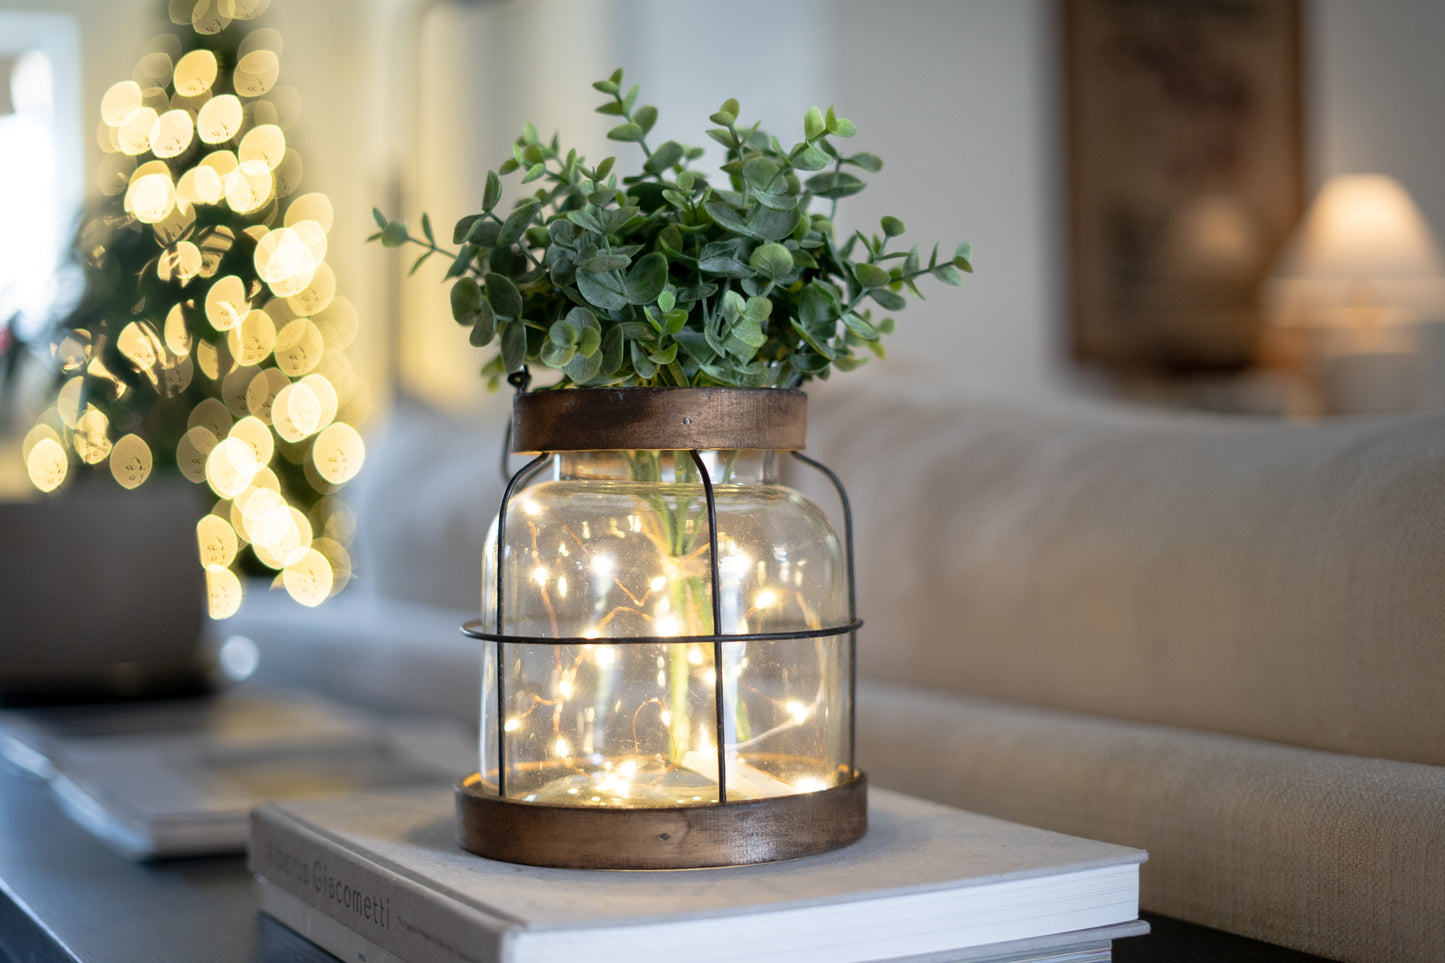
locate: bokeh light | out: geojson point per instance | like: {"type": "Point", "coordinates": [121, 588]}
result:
{"type": "Point", "coordinates": [219, 355]}
{"type": "Point", "coordinates": [131, 461]}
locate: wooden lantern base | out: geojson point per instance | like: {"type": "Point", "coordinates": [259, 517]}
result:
{"type": "Point", "coordinates": [678, 837]}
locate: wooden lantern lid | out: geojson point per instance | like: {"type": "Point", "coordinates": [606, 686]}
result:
{"type": "Point", "coordinates": [666, 419]}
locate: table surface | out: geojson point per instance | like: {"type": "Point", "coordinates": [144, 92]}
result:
{"type": "Point", "coordinates": [65, 897]}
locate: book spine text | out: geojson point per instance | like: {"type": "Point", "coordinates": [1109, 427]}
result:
{"type": "Point", "coordinates": [373, 901]}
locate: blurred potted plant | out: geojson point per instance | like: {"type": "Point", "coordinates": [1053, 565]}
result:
{"type": "Point", "coordinates": [686, 314]}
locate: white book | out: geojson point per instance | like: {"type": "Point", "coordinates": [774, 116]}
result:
{"type": "Point", "coordinates": [380, 873]}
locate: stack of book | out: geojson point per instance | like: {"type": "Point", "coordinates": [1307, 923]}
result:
{"type": "Point", "coordinates": [377, 877]}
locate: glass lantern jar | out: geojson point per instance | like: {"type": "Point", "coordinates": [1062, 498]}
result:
{"type": "Point", "coordinates": [669, 634]}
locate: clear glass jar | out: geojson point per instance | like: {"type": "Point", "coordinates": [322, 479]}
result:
{"type": "Point", "coordinates": [610, 550]}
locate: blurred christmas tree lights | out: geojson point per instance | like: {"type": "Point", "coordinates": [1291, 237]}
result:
{"type": "Point", "coordinates": [210, 339]}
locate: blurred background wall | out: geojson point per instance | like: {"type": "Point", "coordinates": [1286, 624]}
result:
{"type": "Point", "coordinates": [407, 102]}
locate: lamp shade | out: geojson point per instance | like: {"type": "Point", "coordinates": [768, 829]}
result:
{"type": "Point", "coordinates": [1363, 257]}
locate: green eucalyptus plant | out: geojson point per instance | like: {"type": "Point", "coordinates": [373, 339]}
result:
{"type": "Point", "coordinates": [664, 278]}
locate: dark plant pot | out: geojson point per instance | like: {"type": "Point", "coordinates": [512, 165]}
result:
{"type": "Point", "coordinates": [102, 595]}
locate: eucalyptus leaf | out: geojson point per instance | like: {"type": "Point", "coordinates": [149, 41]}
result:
{"type": "Point", "coordinates": [517, 222]}
{"type": "Point", "coordinates": [589, 331]}
{"type": "Point", "coordinates": [725, 265]}
{"type": "Point", "coordinates": [583, 367]}
{"type": "Point", "coordinates": [505, 299]}
{"type": "Point", "coordinates": [667, 155]}
{"type": "Point", "coordinates": [804, 260]}
{"type": "Point", "coordinates": [761, 171]}
{"type": "Point", "coordinates": [514, 346]}
{"type": "Point", "coordinates": [775, 202]}
{"type": "Point", "coordinates": [558, 355]}
{"type": "Point", "coordinates": [963, 257]}
{"type": "Point", "coordinates": [948, 274]}
{"type": "Point", "coordinates": [604, 262]}
{"type": "Point", "coordinates": [810, 158]}
{"type": "Point", "coordinates": [602, 290]}
{"type": "Point", "coordinates": [871, 275]}
{"type": "Point", "coordinates": [562, 333]}
{"type": "Point", "coordinates": [772, 261]}
{"type": "Point", "coordinates": [466, 298]}
{"type": "Point", "coordinates": [492, 193]}
{"type": "Point", "coordinates": [868, 162]}
{"type": "Point", "coordinates": [834, 185]}
{"type": "Point", "coordinates": [817, 344]}
{"type": "Point", "coordinates": [695, 345]}
{"type": "Point", "coordinates": [645, 367]}
{"type": "Point", "coordinates": [770, 225]}
{"type": "Point", "coordinates": [745, 339]}
{"type": "Point", "coordinates": [586, 220]}
{"type": "Point", "coordinates": [814, 126]}
{"type": "Point", "coordinates": [613, 345]}
{"type": "Point", "coordinates": [888, 300]}
{"type": "Point", "coordinates": [394, 234]}
{"type": "Point", "coordinates": [721, 213]}
{"type": "Point", "coordinates": [647, 278]}
{"type": "Point", "coordinates": [860, 326]}
{"type": "Point", "coordinates": [628, 132]}
{"type": "Point", "coordinates": [484, 328]}
{"type": "Point", "coordinates": [462, 232]}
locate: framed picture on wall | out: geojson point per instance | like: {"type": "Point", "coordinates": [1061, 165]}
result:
{"type": "Point", "coordinates": [1185, 175]}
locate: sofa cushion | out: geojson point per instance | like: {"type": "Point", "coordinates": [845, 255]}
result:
{"type": "Point", "coordinates": [1327, 853]}
{"type": "Point", "coordinates": [1239, 575]}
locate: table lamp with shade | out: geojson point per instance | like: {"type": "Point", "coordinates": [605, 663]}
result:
{"type": "Point", "coordinates": [1356, 283]}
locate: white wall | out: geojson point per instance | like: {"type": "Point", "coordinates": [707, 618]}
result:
{"type": "Point", "coordinates": [1376, 81]}
{"type": "Point", "coordinates": [961, 100]}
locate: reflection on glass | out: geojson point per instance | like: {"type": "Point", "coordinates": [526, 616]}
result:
{"type": "Point", "coordinates": [615, 546]}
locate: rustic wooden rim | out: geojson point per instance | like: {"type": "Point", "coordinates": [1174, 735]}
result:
{"type": "Point", "coordinates": [679, 837]}
{"type": "Point", "coordinates": [668, 419]}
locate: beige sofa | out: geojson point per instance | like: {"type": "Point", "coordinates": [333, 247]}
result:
{"type": "Point", "coordinates": [1221, 640]}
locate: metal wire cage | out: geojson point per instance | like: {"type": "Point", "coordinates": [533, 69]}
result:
{"type": "Point", "coordinates": [670, 639]}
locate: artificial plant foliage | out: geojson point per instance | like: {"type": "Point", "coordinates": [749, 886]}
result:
{"type": "Point", "coordinates": [663, 277]}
